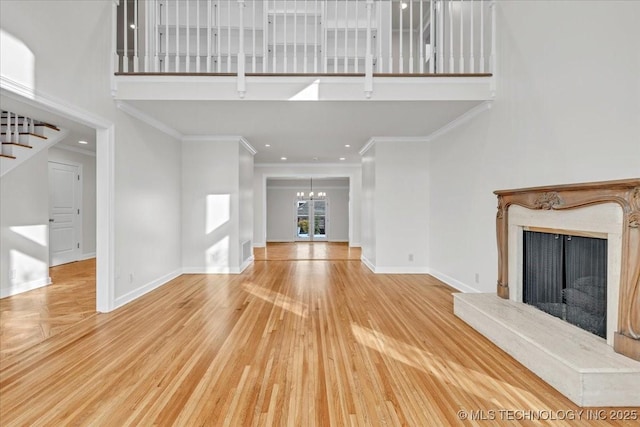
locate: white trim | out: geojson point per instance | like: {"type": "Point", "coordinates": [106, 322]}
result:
{"type": "Point", "coordinates": [34, 98]}
{"type": "Point", "coordinates": [24, 287]}
{"type": "Point", "coordinates": [105, 179]}
{"type": "Point", "coordinates": [386, 139]}
{"type": "Point", "coordinates": [458, 121]}
{"type": "Point", "coordinates": [368, 263]}
{"type": "Point", "coordinates": [462, 287]}
{"type": "Point", "coordinates": [308, 165]}
{"type": "Point", "coordinates": [86, 256]}
{"type": "Point", "coordinates": [259, 245]}
{"type": "Point", "coordinates": [221, 138]}
{"type": "Point", "coordinates": [281, 241]}
{"type": "Point", "coordinates": [75, 149]}
{"type": "Point", "coordinates": [246, 264]}
{"type": "Point", "coordinates": [290, 187]}
{"type": "Point", "coordinates": [211, 270]}
{"type": "Point", "coordinates": [402, 270]}
{"type": "Point", "coordinates": [144, 117]}
{"type": "Point", "coordinates": [154, 284]}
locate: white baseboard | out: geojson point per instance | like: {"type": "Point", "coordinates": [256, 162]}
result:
{"type": "Point", "coordinates": [338, 241]}
{"type": "Point", "coordinates": [280, 241]}
{"type": "Point", "coordinates": [368, 263]}
{"type": "Point", "coordinates": [462, 287]}
{"type": "Point", "coordinates": [212, 269]}
{"type": "Point", "coordinates": [259, 244]}
{"type": "Point", "coordinates": [137, 293]}
{"type": "Point", "coordinates": [24, 287]}
{"type": "Point", "coordinates": [246, 264]}
{"type": "Point", "coordinates": [84, 257]}
{"type": "Point", "coordinates": [402, 270]}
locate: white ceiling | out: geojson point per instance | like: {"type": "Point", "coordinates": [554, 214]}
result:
{"type": "Point", "coordinates": [302, 131]}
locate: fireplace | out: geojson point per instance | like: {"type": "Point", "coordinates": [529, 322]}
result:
{"type": "Point", "coordinates": [566, 276]}
{"type": "Point", "coordinates": [600, 294]}
{"type": "Point", "coordinates": [609, 210]}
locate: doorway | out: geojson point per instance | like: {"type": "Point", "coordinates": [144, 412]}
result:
{"type": "Point", "coordinates": [311, 220]}
{"type": "Point", "coordinates": [65, 214]}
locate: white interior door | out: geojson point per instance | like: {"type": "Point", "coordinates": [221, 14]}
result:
{"type": "Point", "coordinates": [64, 213]}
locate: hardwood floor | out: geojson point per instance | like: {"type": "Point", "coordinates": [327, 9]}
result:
{"type": "Point", "coordinates": [296, 343]}
{"type": "Point", "coordinates": [31, 317]}
{"type": "Point", "coordinates": [307, 251]}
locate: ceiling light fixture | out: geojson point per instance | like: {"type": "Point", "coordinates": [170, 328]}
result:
{"type": "Point", "coordinates": [82, 142]}
{"type": "Point", "coordinates": [404, 5]}
{"type": "Point", "coordinates": [132, 26]}
{"type": "Point", "coordinates": [267, 145]}
{"type": "Point", "coordinates": [347, 145]}
{"type": "Point", "coordinates": [312, 196]}
{"type": "Point", "coordinates": [283, 158]}
{"type": "Point", "coordinates": [343, 158]}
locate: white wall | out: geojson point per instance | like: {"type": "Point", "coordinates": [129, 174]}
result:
{"type": "Point", "coordinates": [147, 208]}
{"type": "Point", "coordinates": [396, 192]}
{"type": "Point", "coordinates": [262, 172]}
{"type": "Point", "coordinates": [281, 208]}
{"type": "Point", "coordinates": [65, 49]}
{"type": "Point", "coordinates": [567, 110]}
{"type": "Point", "coordinates": [56, 154]}
{"type": "Point", "coordinates": [217, 176]}
{"type": "Point", "coordinates": [24, 226]}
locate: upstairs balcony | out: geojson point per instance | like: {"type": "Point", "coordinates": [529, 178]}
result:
{"type": "Point", "coordinates": [427, 50]}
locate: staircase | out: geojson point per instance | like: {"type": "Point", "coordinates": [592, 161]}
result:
{"type": "Point", "coordinates": [22, 137]}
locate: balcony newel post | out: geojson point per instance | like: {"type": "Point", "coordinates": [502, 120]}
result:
{"type": "Point", "coordinates": [147, 35]}
{"type": "Point", "coordinates": [125, 43]}
{"type": "Point", "coordinates": [368, 67]}
{"type": "Point", "coordinates": [241, 54]}
{"type": "Point", "coordinates": [492, 56]}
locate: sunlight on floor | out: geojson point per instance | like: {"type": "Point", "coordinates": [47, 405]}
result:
{"type": "Point", "coordinates": [277, 299]}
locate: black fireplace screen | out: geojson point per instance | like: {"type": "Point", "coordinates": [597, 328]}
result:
{"type": "Point", "coordinates": [566, 276]}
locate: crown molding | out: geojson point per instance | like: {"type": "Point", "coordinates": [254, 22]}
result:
{"type": "Point", "coordinates": [144, 117]}
{"type": "Point", "coordinates": [221, 138]}
{"type": "Point", "coordinates": [458, 121]}
{"type": "Point", "coordinates": [75, 149]}
{"type": "Point", "coordinates": [374, 140]}
{"type": "Point", "coordinates": [307, 165]}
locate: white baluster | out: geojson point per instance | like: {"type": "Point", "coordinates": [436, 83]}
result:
{"type": "Point", "coordinates": [209, 39]}
{"type": "Point", "coordinates": [147, 35]}
{"type": "Point", "coordinates": [265, 36]}
{"type": "Point", "coordinates": [253, 58]}
{"type": "Point", "coordinates": [441, 43]}
{"type": "Point", "coordinates": [432, 36]}
{"type": "Point", "coordinates": [306, 25]}
{"type": "Point", "coordinates": [295, 36]}
{"type": "Point", "coordinates": [421, 37]}
{"type": "Point", "coordinates": [356, 56]}
{"type": "Point", "coordinates": [15, 136]}
{"type": "Point", "coordinates": [197, 36]}
{"type": "Point", "coordinates": [401, 45]}
{"type": "Point", "coordinates": [335, 52]}
{"type": "Point", "coordinates": [166, 36]}
{"type": "Point", "coordinates": [325, 44]}
{"type": "Point", "coordinates": [391, 37]}
{"type": "Point", "coordinates": [380, 62]}
{"type": "Point", "coordinates": [411, 36]}
{"type": "Point", "coordinates": [286, 53]}
{"type": "Point", "coordinates": [451, 60]}
{"type": "Point", "coordinates": [461, 64]}
{"type": "Point", "coordinates": [482, 36]}
{"type": "Point", "coordinates": [241, 57]}
{"type": "Point", "coordinates": [125, 44]}
{"type": "Point", "coordinates": [156, 35]}
{"type": "Point", "coordinates": [136, 63]}
{"type": "Point", "coordinates": [346, 36]}
{"type": "Point", "coordinates": [472, 59]}
{"type": "Point", "coordinates": [315, 37]}
{"type": "Point", "coordinates": [229, 36]}
{"type": "Point", "coordinates": [273, 43]}
{"type": "Point", "coordinates": [368, 61]}
{"type": "Point", "coordinates": [218, 14]}
{"type": "Point", "coordinates": [187, 62]}
{"type": "Point", "coordinates": [177, 36]}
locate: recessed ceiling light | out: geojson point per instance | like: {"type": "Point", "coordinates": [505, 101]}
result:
{"type": "Point", "coordinates": [315, 158]}
{"type": "Point", "coordinates": [283, 158]}
{"type": "Point", "coordinates": [347, 145]}
{"type": "Point", "coordinates": [267, 145]}
{"type": "Point", "coordinates": [343, 158]}
{"type": "Point", "coordinates": [82, 142]}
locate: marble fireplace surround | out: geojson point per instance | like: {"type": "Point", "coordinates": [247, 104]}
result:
{"type": "Point", "coordinates": [581, 365]}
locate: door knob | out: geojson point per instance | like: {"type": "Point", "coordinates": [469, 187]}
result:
{"type": "Point", "coordinates": [50, 219]}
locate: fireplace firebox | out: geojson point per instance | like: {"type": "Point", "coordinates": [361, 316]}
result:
{"type": "Point", "coordinates": [566, 276]}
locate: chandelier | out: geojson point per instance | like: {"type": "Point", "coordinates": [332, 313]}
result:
{"type": "Point", "coordinates": [312, 196]}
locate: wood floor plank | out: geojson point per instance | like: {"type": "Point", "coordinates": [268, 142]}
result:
{"type": "Point", "coordinates": [300, 343]}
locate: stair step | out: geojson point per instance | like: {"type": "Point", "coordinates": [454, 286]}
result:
{"type": "Point", "coordinates": [27, 133]}
{"type": "Point", "coordinates": [7, 156]}
{"type": "Point", "coordinates": [17, 144]}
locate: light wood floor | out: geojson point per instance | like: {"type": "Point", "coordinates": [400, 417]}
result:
{"type": "Point", "coordinates": [307, 251]}
{"type": "Point", "coordinates": [31, 317]}
{"type": "Point", "coordinates": [297, 343]}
